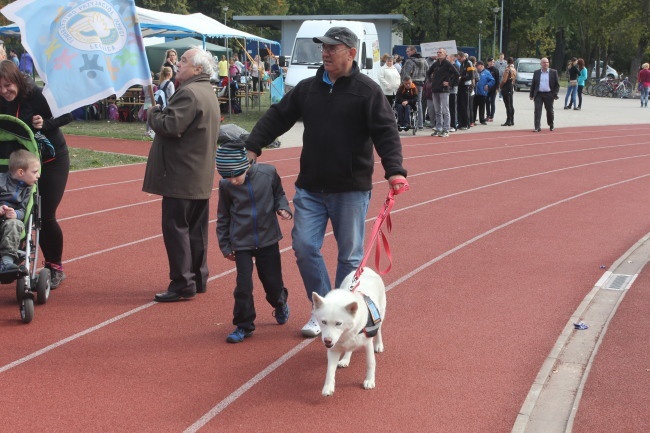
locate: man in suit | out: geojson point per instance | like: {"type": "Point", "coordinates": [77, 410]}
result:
{"type": "Point", "coordinates": [543, 91]}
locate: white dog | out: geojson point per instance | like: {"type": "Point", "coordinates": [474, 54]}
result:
{"type": "Point", "coordinates": [349, 321]}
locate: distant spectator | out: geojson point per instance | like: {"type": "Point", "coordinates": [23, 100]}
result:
{"type": "Point", "coordinates": [582, 79]}
{"type": "Point", "coordinates": [644, 83]}
{"type": "Point", "coordinates": [14, 57]}
{"type": "Point", "coordinates": [389, 79]}
{"type": "Point", "coordinates": [26, 64]}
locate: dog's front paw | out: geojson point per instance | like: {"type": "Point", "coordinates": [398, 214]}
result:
{"type": "Point", "coordinates": [343, 363]}
{"type": "Point", "coordinates": [369, 383]}
{"type": "Point", "coordinates": [328, 390]}
{"type": "Point", "coordinates": [379, 347]}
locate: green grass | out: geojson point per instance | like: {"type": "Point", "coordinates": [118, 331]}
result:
{"type": "Point", "coordinates": [82, 159]}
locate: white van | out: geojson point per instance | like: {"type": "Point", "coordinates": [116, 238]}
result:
{"type": "Point", "coordinates": [306, 56]}
{"type": "Point", "coordinates": [525, 67]}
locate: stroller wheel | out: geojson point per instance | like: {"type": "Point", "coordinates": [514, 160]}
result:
{"type": "Point", "coordinates": [43, 286]}
{"type": "Point", "coordinates": [20, 289]}
{"type": "Point", "coordinates": [27, 309]}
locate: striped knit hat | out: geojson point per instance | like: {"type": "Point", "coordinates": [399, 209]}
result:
{"type": "Point", "coordinates": [231, 159]}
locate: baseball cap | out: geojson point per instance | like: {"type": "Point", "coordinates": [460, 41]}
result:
{"type": "Point", "coordinates": [338, 35]}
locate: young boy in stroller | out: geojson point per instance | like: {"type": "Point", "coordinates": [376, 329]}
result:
{"type": "Point", "coordinates": [405, 103]}
{"type": "Point", "coordinates": [15, 191]}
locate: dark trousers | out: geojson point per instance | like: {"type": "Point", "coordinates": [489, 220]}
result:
{"type": "Point", "coordinates": [404, 115]}
{"type": "Point", "coordinates": [185, 232]}
{"type": "Point", "coordinates": [491, 104]}
{"type": "Point", "coordinates": [463, 106]}
{"type": "Point", "coordinates": [51, 186]}
{"type": "Point", "coordinates": [453, 118]}
{"type": "Point", "coordinates": [544, 99]}
{"type": "Point", "coordinates": [480, 102]}
{"type": "Point", "coordinates": [510, 109]}
{"type": "Point", "coordinates": [580, 96]}
{"type": "Point", "coordinates": [269, 270]}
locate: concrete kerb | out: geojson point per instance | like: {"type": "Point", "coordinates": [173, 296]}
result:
{"type": "Point", "coordinates": [595, 112]}
{"type": "Point", "coordinates": [554, 397]}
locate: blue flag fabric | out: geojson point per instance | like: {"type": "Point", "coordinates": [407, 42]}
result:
{"type": "Point", "coordinates": [277, 89]}
{"type": "Point", "coordinates": [84, 50]}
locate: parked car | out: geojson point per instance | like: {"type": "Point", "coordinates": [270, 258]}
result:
{"type": "Point", "coordinates": [525, 67]}
{"type": "Point", "coordinates": [611, 72]}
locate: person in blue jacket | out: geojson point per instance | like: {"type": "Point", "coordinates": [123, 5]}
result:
{"type": "Point", "coordinates": [483, 86]}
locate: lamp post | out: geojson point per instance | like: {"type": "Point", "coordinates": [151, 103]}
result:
{"type": "Point", "coordinates": [480, 25]}
{"type": "Point", "coordinates": [494, 39]}
{"type": "Point", "coordinates": [225, 15]}
{"type": "Point", "coordinates": [501, 31]}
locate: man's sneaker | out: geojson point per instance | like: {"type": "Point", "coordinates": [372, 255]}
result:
{"type": "Point", "coordinates": [281, 314]}
{"type": "Point", "coordinates": [56, 277]}
{"type": "Point", "coordinates": [452, 129]}
{"type": "Point", "coordinates": [444, 134]}
{"type": "Point", "coordinates": [311, 328]}
{"type": "Point", "coordinates": [238, 335]}
{"type": "Point", "coordinates": [436, 133]}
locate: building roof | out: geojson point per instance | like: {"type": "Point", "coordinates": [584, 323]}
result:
{"type": "Point", "coordinates": [275, 21]}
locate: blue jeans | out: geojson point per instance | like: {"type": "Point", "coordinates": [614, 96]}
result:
{"type": "Point", "coordinates": [644, 96]}
{"type": "Point", "coordinates": [347, 212]}
{"type": "Point", "coordinates": [570, 93]}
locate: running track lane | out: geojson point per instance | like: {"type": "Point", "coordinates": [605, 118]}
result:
{"type": "Point", "coordinates": [496, 244]}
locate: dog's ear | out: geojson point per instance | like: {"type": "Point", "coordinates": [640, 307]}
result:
{"type": "Point", "coordinates": [352, 308]}
{"type": "Point", "coordinates": [318, 301]}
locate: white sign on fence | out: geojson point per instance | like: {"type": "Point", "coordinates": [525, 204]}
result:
{"type": "Point", "coordinates": [429, 49]}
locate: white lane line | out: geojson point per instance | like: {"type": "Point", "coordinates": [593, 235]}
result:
{"type": "Point", "coordinates": [101, 185]}
{"type": "Point", "coordinates": [128, 244]}
{"type": "Point", "coordinates": [80, 334]}
{"type": "Point", "coordinates": [399, 281]}
{"type": "Point", "coordinates": [223, 404]}
{"type": "Point", "coordinates": [459, 167]}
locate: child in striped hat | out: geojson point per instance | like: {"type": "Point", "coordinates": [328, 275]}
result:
{"type": "Point", "coordinates": [250, 197]}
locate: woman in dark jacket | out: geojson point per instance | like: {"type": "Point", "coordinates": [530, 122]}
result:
{"type": "Point", "coordinates": [21, 98]}
{"type": "Point", "coordinates": [507, 87]}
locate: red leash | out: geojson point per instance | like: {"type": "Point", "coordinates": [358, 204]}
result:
{"type": "Point", "coordinates": [384, 215]}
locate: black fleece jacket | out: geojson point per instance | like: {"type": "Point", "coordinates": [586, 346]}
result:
{"type": "Point", "coordinates": [342, 123]}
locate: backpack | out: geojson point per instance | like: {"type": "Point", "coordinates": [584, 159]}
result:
{"type": "Point", "coordinates": [160, 96]}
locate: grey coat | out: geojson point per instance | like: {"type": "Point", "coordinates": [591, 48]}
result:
{"type": "Point", "coordinates": [246, 214]}
{"type": "Point", "coordinates": [181, 160]}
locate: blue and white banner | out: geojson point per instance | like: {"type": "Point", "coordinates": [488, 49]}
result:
{"type": "Point", "coordinates": [84, 50]}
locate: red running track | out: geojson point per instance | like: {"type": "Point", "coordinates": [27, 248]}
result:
{"type": "Point", "coordinates": [496, 244]}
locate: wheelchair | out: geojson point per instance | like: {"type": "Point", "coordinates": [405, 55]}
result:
{"type": "Point", "coordinates": [412, 120]}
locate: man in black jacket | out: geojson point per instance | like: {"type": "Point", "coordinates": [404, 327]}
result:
{"type": "Point", "coordinates": [441, 74]}
{"type": "Point", "coordinates": [544, 90]}
{"type": "Point", "coordinates": [345, 115]}
{"type": "Point", "coordinates": [465, 87]}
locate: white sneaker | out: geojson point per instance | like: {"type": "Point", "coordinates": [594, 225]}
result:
{"type": "Point", "coordinates": [311, 328]}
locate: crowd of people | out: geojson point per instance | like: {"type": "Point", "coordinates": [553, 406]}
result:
{"type": "Point", "coordinates": [460, 91]}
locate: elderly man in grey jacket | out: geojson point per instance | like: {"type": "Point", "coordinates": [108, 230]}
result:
{"type": "Point", "coordinates": [181, 168]}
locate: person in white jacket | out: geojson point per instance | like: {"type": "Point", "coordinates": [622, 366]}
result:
{"type": "Point", "coordinates": [389, 79]}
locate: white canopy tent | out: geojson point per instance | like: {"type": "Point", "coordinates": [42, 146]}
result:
{"type": "Point", "coordinates": [154, 23]}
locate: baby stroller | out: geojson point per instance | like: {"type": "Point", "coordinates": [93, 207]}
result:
{"type": "Point", "coordinates": [30, 285]}
{"type": "Point", "coordinates": [413, 118]}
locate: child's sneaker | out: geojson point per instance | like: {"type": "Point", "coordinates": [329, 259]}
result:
{"type": "Point", "coordinates": [281, 314]}
{"type": "Point", "coordinates": [7, 267]}
{"type": "Point", "coordinates": [238, 335]}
